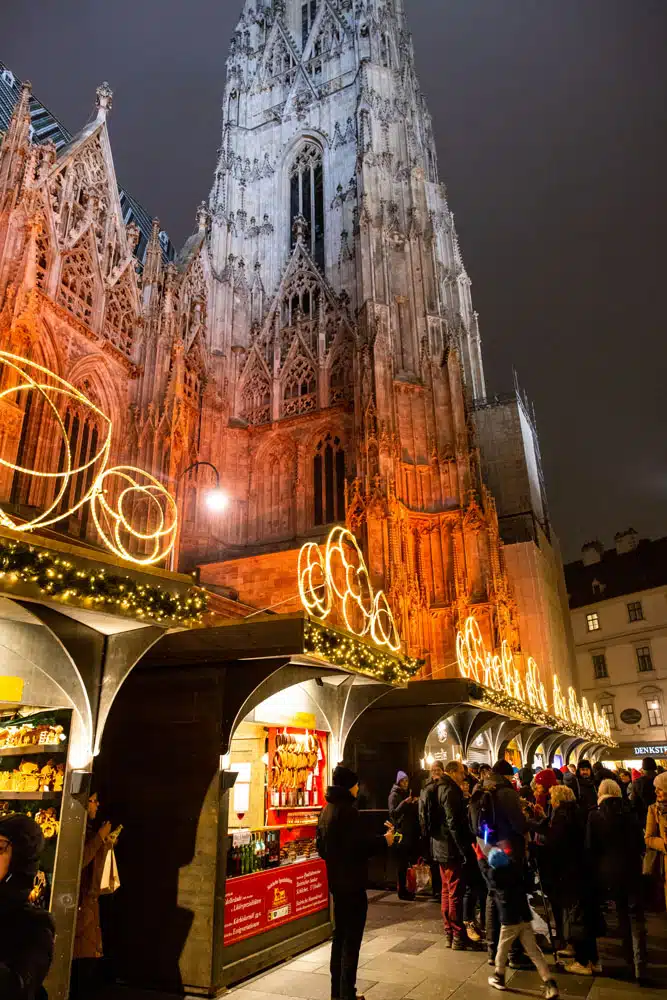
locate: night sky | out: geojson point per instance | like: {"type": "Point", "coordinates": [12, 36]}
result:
{"type": "Point", "coordinates": [550, 123]}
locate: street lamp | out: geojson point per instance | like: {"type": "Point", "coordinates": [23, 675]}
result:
{"type": "Point", "coordinates": [216, 501]}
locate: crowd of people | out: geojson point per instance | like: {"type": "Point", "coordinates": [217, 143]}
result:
{"type": "Point", "coordinates": [584, 840]}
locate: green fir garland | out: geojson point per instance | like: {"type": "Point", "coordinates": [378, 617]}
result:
{"type": "Point", "coordinates": [59, 579]}
{"type": "Point", "coordinates": [347, 651]}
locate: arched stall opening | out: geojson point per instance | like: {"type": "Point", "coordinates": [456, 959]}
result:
{"type": "Point", "coordinates": [216, 756]}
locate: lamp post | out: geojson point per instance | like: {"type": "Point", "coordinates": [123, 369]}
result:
{"type": "Point", "coordinates": [215, 499]}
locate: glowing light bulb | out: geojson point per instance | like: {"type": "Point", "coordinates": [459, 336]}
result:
{"type": "Point", "coordinates": [216, 500]}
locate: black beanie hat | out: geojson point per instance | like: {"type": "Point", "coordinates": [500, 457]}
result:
{"type": "Point", "coordinates": [27, 842]}
{"type": "Point", "coordinates": [648, 764]}
{"type": "Point", "coordinates": [343, 777]}
{"type": "Point", "coordinates": [503, 767]}
{"type": "Point", "coordinates": [585, 763]}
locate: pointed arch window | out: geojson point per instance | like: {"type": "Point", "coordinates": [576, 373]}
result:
{"type": "Point", "coordinates": [329, 481]}
{"type": "Point", "coordinates": [256, 398]}
{"type": "Point", "coordinates": [300, 388]}
{"type": "Point", "coordinates": [77, 285]}
{"type": "Point", "coordinates": [308, 15]}
{"type": "Point", "coordinates": [307, 199]}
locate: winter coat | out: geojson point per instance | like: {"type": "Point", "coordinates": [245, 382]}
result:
{"type": "Point", "coordinates": [88, 934]}
{"type": "Point", "coordinates": [614, 848]}
{"type": "Point", "coordinates": [428, 808]}
{"type": "Point", "coordinates": [584, 790]}
{"type": "Point", "coordinates": [510, 824]}
{"type": "Point", "coordinates": [562, 864]}
{"type": "Point", "coordinates": [343, 844]}
{"type": "Point", "coordinates": [405, 816]}
{"type": "Point", "coordinates": [26, 933]}
{"type": "Point", "coordinates": [643, 794]}
{"type": "Point", "coordinates": [656, 834]}
{"type": "Point", "coordinates": [451, 838]}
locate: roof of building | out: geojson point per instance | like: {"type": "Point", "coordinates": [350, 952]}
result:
{"type": "Point", "coordinates": [617, 573]}
{"type": "Point", "coordinates": [45, 127]}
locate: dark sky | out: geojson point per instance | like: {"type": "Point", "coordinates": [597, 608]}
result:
{"type": "Point", "coordinates": [550, 122]}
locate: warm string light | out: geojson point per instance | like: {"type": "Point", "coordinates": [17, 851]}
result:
{"type": "Point", "coordinates": [136, 488]}
{"type": "Point", "coordinates": [61, 580]}
{"type": "Point", "coordinates": [348, 651]}
{"type": "Point", "coordinates": [323, 577]}
{"type": "Point", "coordinates": [501, 674]}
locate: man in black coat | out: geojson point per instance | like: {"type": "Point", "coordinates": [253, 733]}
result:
{"type": "Point", "coordinates": [643, 792]}
{"type": "Point", "coordinates": [451, 847]}
{"type": "Point", "coordinates": [428, 819]}
{"type": "Point", "coordinates": [583, 785]}
{"type": "Point", "coordinates": [26, 933]}
{"type": "Point", "coordinates": [345, 848]}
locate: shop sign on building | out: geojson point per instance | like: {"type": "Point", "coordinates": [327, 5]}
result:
{"type": "Point", "coordinates": [650, 749]}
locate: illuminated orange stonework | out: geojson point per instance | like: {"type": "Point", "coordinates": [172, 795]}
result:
{"type": "Point", "coordinates": [328, 371]}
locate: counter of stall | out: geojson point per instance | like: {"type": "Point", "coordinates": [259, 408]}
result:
{"type": "Point", "coordinates": [276, 887]}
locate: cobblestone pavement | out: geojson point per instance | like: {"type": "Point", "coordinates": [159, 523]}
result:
{"type": "Point", "coordinates": [404, 958]}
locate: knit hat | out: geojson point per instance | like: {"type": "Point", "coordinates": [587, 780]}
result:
{"type": "Point", "coordinates": [648, 764]}
{"type": "Point", "coordinates": [546, 778]}
{"type": "Point", "coordinates": [503, 767]}
{"type": "Point", "coordinates": [585, 763]}
{"type": "Point", "coordinates": [401, 776]}
{"type": "Point", "coordinates": [344, 777]}
{"type": "Point", "coordinates": [660, 783]}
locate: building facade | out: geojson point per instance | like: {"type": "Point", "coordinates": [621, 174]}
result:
{"type": "Point", "coordinates": [618, 602]}
{"type": "Point", "coordinates": [314, 340]}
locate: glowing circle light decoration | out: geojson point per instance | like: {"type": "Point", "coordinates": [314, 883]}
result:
{"type": "Point", "coordinates": [113, 504]}
{"type": "Point", "coordinates": [501, 673]}
{"type": "Point", "coordinates": [19, 375]}
{"type": "Point", "coordinates": [338, 577]}
{"type": "Point", "coordinates": [119, 498]}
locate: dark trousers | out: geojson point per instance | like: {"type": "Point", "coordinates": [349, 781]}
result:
{"type": "Point", "coordinates": [453, 888]}
{"type": "Point", "coordinates": [632, 926]}
{"type": "Point", "coordinates": [350, 909]}
{"type": "Point", "coordinates": [492, 914]}
{"type": "Point", "coordinates": [85, 978]}
{"type": "Point", "coordinates": [474, 892]}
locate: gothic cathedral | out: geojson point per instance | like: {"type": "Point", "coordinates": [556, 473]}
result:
{"type": "Point", "coordinates": [314, 340]}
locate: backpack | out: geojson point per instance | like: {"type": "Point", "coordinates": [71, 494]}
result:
{"type": "Point", "coordinates": [483, 816]}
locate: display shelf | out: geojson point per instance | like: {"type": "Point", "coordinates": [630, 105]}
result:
{"type": "Point", "coordinates": [294, 808]}
{"type": "Point", "coordinates": [28, 796]}
{"type": "Point", "coordinates": [49, 748]}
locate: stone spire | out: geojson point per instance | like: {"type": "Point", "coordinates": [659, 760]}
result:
{"type": "Point", "coordinates": [13, 151]}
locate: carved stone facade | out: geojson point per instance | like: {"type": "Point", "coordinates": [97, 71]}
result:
{"type": "Point", "coordinates": [315, 339]}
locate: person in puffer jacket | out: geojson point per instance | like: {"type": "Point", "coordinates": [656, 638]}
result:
{"type": "Point", "coordinates": [26, 933]}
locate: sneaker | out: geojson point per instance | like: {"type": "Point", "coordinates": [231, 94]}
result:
{"type": "Point", "coordinates": [448, 940]}
{"type": "Point", "coordinates": [521, 963]}
{"type": "Point", "coordinates": [408, 897]}
{"type": "Point", "coordinates": [458, 943]}
{"type": "Point", "coordinates": [551, 990]}
{"type": "Point", "coordinates": [497, 980]}
{"type": "Point", "coordinates": [596, 968]}
{"type": "Point", "coordinates": [577, 969]}
{"type": "Point", "coordinates": [472, 932]}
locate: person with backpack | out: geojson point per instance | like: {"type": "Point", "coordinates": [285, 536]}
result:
{"type": "Point", "coordinates": [26, 933]}
{"type": "Point", "coordinates": [501, 827]}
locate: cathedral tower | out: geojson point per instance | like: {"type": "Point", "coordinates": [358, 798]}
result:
{"type": "Point", "coordinates": [342, 310]}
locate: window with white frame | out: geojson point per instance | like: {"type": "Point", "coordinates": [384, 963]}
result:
{"type": "Point", "coordinates": [600, 665]}
{"type": "Point", "coordinates": [608, 712]}
{"type": "Point", "coordinates": [644, 661]}
{"type": "Point", "coordinates": [654, 712]}
{"type": "Point", "coordinates": [635, 611]}
{"type": "Point", "coordinates": [593, 621]}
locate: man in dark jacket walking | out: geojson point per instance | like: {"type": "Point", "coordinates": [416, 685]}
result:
{"type": "Point", "coordinates": [345, 848]}
{"type": "Point", "coordinates": [643, 792]}
{"type": "Point", "coordinates": [451, 847]}
{"type": "Point", "coordinates": [26, 933]}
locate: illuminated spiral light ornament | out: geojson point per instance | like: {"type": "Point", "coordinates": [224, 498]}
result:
{"type": "Point", "coordinates": [331, 577]}
{"type": "Point", "coordinates": [56, 394]}
{"type": "Point", "coordinates": [116, 492]}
